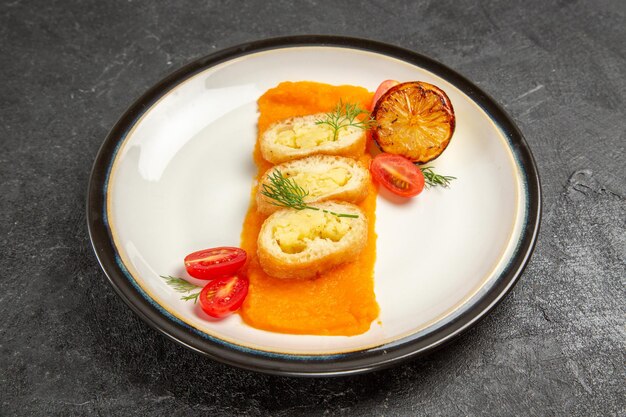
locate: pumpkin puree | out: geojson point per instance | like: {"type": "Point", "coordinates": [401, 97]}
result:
{"type": "Point", "coordinates": [342, 300]}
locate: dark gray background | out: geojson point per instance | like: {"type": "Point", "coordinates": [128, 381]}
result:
{"type": "Point", "coordinates": [70, 346]}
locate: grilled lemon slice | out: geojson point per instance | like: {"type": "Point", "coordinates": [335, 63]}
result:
{"type": "Point", "coordinates": [414, 119]}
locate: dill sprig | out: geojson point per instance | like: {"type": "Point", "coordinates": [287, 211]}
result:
{"type": "Point", "coordinates": [433, 179]}
{"type": "Point", "coordinates": [285, 192]}
{"type": "Point", "coordinates": [346, 115]}
{"type": "Point", "coordinates": [180, 285]}
{"type": "Point", "coordinates": [193, 297]}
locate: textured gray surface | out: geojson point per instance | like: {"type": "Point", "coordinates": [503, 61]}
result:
{"type": "Point", "coordinates": [70, 346]}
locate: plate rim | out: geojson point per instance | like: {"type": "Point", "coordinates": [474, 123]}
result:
{"type": "Point", "coordinates": [354, 362]}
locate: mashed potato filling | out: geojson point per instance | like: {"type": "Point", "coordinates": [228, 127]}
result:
{"type": "Point", "coordinates": [294, 232]}
{"type": "Point", "coordinates": [319, 183]}
{"type": "Point", "coordinates": [302, 135]}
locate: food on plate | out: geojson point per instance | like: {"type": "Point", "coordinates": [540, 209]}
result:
{"type": "Point", "coordinates": [397, 174]}
{"type": "Point", "coordinates": [215, 262]}
{"type": "Point", "coordinates": [285, 192]}
{"type": "Point", "coordinates": [341, 300]}
{"type": "Point", "coordinates": [340, 132]}
{"type": "Point", "coordinates": [323, 177]}
{"type": "Point", "coordinates": [308, 242]}
{"type": "Point", "coordinates": [227, 286]}
{"type": "Point", "coordinates": [223, 296]}
{"type": "Point", "coordinates": [414, 119]}
{"type": "Point", "coordinates": [296, 244]}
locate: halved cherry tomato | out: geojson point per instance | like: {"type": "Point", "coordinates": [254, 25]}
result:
{"type": "Point", "coordinates": [223, 296]}
{"type": "Point", "coordinates": [215, 262]}
{"type": "Point", "coordinates": [397, 174]}
{"type": "Point", "coordinates": [382, 89]}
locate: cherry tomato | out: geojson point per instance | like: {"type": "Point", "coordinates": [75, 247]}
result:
{"type": "Point", "coordinates": [223, 296]}
{"type": "Point", "coordinates": [215, 262]}
{"type": "Point", "coordinates": [397, 174]}
{"type": "Point", "coordinates": [382, 89]}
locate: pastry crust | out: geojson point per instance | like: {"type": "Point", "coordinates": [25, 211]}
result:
{"type": "Point", "coordinates": [320, 243]}
{"type": "Point", "coordinates": [350, 142]}
{"type": "Point", "coordinates": [322, 176]}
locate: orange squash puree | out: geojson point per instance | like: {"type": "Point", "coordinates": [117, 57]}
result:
{"type": "Point", "coordinates": [342, 300]}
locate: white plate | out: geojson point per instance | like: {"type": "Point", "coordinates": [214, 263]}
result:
{"type": "Point", "coordinates": [175, 175]}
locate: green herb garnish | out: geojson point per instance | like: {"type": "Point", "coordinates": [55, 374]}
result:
{"type": "Point", "coordinates": [180, 285]}
{"type": "Point", "coordinates": [346, 115]}
{"type": "Point", "coordinates": [433, 179]}
{"type": "Point", "coordinates": [285, 192]}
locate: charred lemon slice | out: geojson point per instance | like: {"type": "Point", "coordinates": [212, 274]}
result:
{"type": "Point", "coordinates": [414, 119]}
